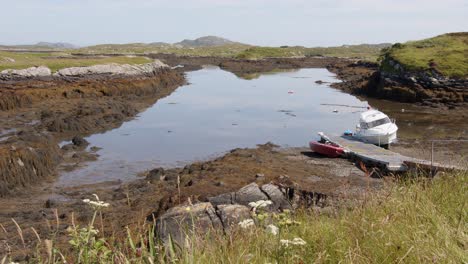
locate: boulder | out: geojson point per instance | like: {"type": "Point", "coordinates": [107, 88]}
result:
{"type": "Point", "coordinates": [232, 214]}
{"type": "Point", "coordinates": [278, 198]}
{"type": "Point", "coordinates": [248, 194]}
{"type": "Point", "coordinates": [184, 221]}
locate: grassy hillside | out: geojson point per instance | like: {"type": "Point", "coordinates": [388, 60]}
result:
{"type": "Point", "coordinates": [58, 60]}
{"type": "Point", "coordinates": [241, 51]}
{"type": "Point", "coordinates": [363, 51]}
{"type": "Point", "coordinates": [141, 48]}
{"type": "Point", "coordinates": [447, 54]}
{"type": "Point", "coordinates": [416, 220]}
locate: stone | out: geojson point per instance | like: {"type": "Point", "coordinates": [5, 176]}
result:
{"type": "Point", "coordinates": [79, 141]}
{"type": "Point", "coordinates": [156, 175]}
{"type": "Point", "coordinates": [248, 194]}
{"type": "Point", "coordinates": [225, 198]}
{"type": "Point", "coordinates": [278, 198]}
{"type": "Point", "coordinates": [182, 222]}
{"type": "Point", "coordinates": [232, 214]}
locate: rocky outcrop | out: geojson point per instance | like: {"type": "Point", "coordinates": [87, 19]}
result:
{"type": "Point", "coordinates": [113, 69]}
{"type": "Point", "coordinates": [148, 69]}
{"type": "Point", "coordinates": [392, 82]}
{"type": "Point", "coordinates": [429, 87]}
{"type": "Point", "coordinates": [223, 212]}
{"type": "Point", "coordinates": [40, 71]}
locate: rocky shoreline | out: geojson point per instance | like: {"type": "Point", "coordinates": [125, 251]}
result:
{"type": "Point", "coordinates": [368, 79]}
{"type": "Point", "coordinates": [36, 114]}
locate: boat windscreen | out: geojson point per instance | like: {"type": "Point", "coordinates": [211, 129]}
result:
{"type": "Point", "coordinates": [377, 122]}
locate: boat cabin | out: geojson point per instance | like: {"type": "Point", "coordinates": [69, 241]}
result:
{"type": "Point", "coordinates": [373, 118]}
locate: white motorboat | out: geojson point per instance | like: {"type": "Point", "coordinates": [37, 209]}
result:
{"type": "Point", "coordinates": [376, 127]}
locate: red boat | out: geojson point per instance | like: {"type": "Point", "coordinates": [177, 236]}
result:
{"type": "Point", "coordinates": [327, 149]}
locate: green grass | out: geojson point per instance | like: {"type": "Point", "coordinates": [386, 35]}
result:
{"type": "Point", "coordinates": [56, 60]}
{"type": "Point", "coordinates": [415, 220]}
{"type": "Point", "coordinates": [59, 60]}
{"type": "Point", "coordinates": [418, 222]}
{"type": "Point", "coordinates": [447, 53]}
{"type": "Point", "coordinates": [141, 48]}
{"type": "Point", "coordinates": [367, 52]}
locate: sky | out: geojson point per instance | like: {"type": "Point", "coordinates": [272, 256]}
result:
{"type": "Point", "coordinates": [260, 22]}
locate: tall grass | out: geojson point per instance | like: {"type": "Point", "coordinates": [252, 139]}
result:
{"type": "Point", "coordinates": [416, 220]}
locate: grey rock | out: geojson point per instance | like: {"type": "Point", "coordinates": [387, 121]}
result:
{"type": "Point", "coordinates": [278, 198]}
{"type": "Point", "coordinates": [248, 194]}
{"type": "Point", "coordinates": [79, 141]}
{"type": "Point", "coordinates": [225, 198]}
{"type": "Point", "coordinates": [40, 71]}
{"type": "Point", "coordinates": [232, 214]}
{"type": "Point", "coordinates": [155, 175]}
{"type": "Point", "coordinates": [180, 223]}
{"type": "Point", "coordinates": [113, 69]}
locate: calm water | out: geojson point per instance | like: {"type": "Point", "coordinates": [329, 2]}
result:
{"type": "Point", "coordinates": [215, 113]}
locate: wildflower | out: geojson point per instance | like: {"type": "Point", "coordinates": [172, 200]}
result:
{"type": "Point", "coordinates": [96, 204]}
{"type": "Point", "coordinates": [246, 223]}
{"type": "Point", "coordinates": [272, 229]}
{"type": "Point", "coordinates": [295, 242]}
{"type": "Point", "coordinates": [260, 204]}
{"type": "Point", "coordinates": [187, 209]}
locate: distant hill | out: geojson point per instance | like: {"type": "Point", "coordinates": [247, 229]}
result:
{"type": "Point", "coordinates": [56, 45]}
{"type": "Point", "coordinates": [40, 46]}
{"type": "Point", "coordinates": [208, 41]}
{"type": "Point", "coordinates": [445, 54]}
{"type": "Point", "coordinates": [160, 44]}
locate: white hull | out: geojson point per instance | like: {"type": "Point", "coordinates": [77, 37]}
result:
{"type": "Point", "coordinates": [386, 139]}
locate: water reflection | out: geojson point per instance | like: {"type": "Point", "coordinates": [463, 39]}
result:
{"type": "Point", "coordinates": [217, 112]}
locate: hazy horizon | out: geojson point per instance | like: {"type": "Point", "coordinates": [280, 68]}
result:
{"type": "Point", "coordinates": [256, 22]}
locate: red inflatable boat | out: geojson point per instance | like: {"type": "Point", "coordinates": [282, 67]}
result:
{"type": "Point", "coordinates": [327, 149]}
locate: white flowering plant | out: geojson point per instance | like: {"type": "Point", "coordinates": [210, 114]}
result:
{"type": "Point", "coordinates": [86, 241]}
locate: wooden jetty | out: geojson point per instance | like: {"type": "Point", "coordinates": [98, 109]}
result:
{"type": "Point", "coordinates": [385, 159]}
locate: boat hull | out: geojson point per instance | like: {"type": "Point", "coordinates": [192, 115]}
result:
{"type": "Point", "coordinates": [326, 149]}
{"type": "Point", "coordinates": [382, 140]}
